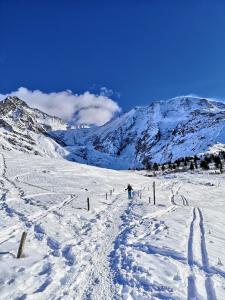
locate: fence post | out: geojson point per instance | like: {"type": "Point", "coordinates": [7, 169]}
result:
{"type": "Point", "coordinates": [149, 200]}
{"type": "Point", "coordinates": [106, 196]}
{"type": "Point", "coordinates": [113, 190]}
{"type": "Point", "coordinates": [21, 246]}
{"type": "Point", "coordinates": [154, 192]}
{"type": "Point", "coordinates": [88, 203]}
{"type": "Point", "coordinates": [110, 192]}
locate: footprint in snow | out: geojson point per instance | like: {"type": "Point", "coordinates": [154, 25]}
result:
{"type": "Point", "coordinates": [23, 297]}
{"type": "Point", "coordinates": [54, 245]}
{"type": "Point", "coordinates": [176, 277]}
{"type": "Point", "coordinates": [68, 255]}
{"type": "Point", "coordinates": [11, 281]}
{"type": "Point", "coordinates": [39, 232]}
{"type": "Point", "coordinates": [21, 269]}
{"type": "Point", "coordinates": [97, 281]}
{"type": "Point", "coordinates": [46, 270]}
{"type": "Point", "coordinates": [44, 285]}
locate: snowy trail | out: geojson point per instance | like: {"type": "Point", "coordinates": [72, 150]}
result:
{"type": "Point", "coordinates": [92, 278]}
{"type": "Point", "coordinates": [120, 249]}
{"type": "Point", "coordinates": [25, 221]}
{"type": "Point", "coordinates": [31, 222]}
{"type": "Point", "coordinates": [100, 282]}
{"type": "Point", "coordinates": [98, 237]}
{"type": "Point", "coordinates": [127, 274]}
{"type": "Point", "coordinates": [197, 257]}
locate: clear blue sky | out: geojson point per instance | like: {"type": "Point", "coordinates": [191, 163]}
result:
{"type": "Point", "coordinates": [144, 50]}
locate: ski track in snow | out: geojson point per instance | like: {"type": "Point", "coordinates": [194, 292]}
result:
{"type": "Point", "coordinates": [26, 221]}
{"type": "Point", "coordinates": [100, 258]}
{"type": "Point", "coordinates": [197, 221]}
{"type": "Point", "coordinates": [31, 223]}
{"type": "Point", "coordinates": [98, 274]}
{"type": "Point", "coordinates": [120, 259]}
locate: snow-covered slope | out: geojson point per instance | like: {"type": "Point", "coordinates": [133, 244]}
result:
{"type": "Point", "coordinates": [121, 249]}
{"type": "Point", "coordinates": [26, 129]}
{"type": "Point", "coordinates": [161, 132]}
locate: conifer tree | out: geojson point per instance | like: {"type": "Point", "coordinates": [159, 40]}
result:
{"type": "Point", "coordinates": [217, 161]}
{"type": "Point", "coordinates": [204, 165]}
{"type": "Point", "coordinates": [196, 165]}
{"type": "Point", "coordinates": [155, 167]}
{"type": "Point", "coordinates": [177, 162]}
{"type": "Point", "coordinates": [191, 166]}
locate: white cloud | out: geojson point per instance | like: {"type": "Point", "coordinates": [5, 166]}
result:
{"type": "Point", "coordinates": [87, 107]}
{"type": "Point", "coordinates": [104, 91]}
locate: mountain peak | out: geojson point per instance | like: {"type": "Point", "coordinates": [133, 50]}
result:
{"type": "Point", "coordinates": [161, 132]}
{"type": "Point", "coordinates": [14, 100]}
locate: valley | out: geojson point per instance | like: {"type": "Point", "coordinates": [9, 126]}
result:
{"type": "Point", "coordinates": [120, 249]}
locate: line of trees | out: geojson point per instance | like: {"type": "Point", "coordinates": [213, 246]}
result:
{"type": "Point", "coordinates": [190, 162]}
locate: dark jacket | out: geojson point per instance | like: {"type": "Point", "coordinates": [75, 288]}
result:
{"type": "Point", "coordinates": [129, 188]}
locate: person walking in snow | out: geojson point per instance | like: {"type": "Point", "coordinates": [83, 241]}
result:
{"type": "Point", "coordinates": [129, 189]}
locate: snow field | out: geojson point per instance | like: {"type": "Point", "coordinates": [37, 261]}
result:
{"type": "Point", "coordinates": [120, 249]}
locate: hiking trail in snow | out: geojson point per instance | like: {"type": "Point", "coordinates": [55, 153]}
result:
{"type": "Point", "coordinates": [120, 249]}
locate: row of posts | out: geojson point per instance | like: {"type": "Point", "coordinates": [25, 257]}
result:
{"type": "Point", "coordinates": [106, 197]}
{"type": "Point", "coordinates": [139, 194]}
{"type": "Point", "coordinates": [149, 198]}
{"type": "Point", "coordinates": [24, 235]}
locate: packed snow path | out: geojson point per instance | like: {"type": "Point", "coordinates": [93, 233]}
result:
{"type": "Point", "coordinates": [120, 249]}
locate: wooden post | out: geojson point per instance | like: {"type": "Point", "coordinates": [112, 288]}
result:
{"type": "Point", "coordinates": [149, 200]}
{"type": "Point", "coordinates": [140, 195]}
{"type": "Point", "coordinates": [113, 190]}
{"type": "Point", "coordinates": [21, 246]}
{"type": "Point", "coordinates": [110, 192]}
{"type": "Point", "coordinates": [106, 196]}
{"type": "Point", "coordinates": [154, 192]}
{"type": "Point", "coordinates": [88, 203]}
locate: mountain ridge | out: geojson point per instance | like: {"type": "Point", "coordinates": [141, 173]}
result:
{"type": "Point", "coordinates": [160, 132]}
{"type": "Point", "coordinates": [27, 129]}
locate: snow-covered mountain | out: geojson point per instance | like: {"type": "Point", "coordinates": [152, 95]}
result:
{"type": "Point", "coordinates": [27, 129]}
{"type": "Point", "coordinates": [116, 248]}
{"type": "Point", "coordinates": [160, 132]}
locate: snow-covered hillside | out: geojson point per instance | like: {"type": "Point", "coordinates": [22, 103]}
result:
{"type": "Point", "coordinates": [26, 129]}
{"type": "Point", "coordinates": [161, 132]}
{"type": "Point", "coordinates": [121, 249]}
